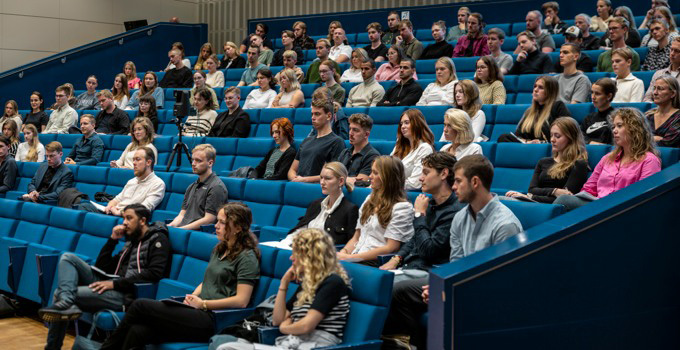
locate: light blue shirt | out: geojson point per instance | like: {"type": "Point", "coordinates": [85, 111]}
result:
{"type": "Point", "coordinates": [157, 94]}
{"type": "Point", "coordinates": [493, 224]}
{"type": "Point", "coordinates": [250, 74]}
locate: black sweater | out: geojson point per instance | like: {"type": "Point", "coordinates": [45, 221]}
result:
{"type": "Point", "coordinates": [437, 50]}
{"type": "Point", "coordinates": [236, 124]}
{"type": "Point", "coordinates": [596, 127]}
{"type": "Point", "coordinates": [542, 185]}
{"type": "Point", "coordinates": [402, 94]}
{"type": "Point", "coordinates": [558, 110]}
{"type": "Point", "coordinates": [281, 166]}
{"type": "Point", "coordinates": [238, 62]}
{"type": "Point", "coordinates": [536, 62]}
{"type": "Point", "coordinates": [340, 224]}
{"type": "Point", "coordinates": [177, 78]}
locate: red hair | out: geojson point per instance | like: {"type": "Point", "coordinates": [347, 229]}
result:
{"type": "Point", "coordinates": [285, 127]}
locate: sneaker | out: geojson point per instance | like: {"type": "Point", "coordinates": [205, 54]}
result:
{"type": "Point", "coordinates": [396, 341]}
{"type": "Point", "coordinates": [59, 312]}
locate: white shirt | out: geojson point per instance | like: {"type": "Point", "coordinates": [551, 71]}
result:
{"type": "Point", "coordinates": [629, 89]}
{"type": "Point", "coordinates": [125, 160]}
{"type": "Point", "coordinates": [215, 80]}
{"type": "Point", "coordinates": [478, 123]}
{"type": "Point", "coordinates": [286, 97]}
{"type": "Point", "coordinates": [464, 150]}
{"type": "Point", "coordinates": [61, 119]}
{"type": "Point", "coordinates": [122, 103]}
{"type": "Point", "coordinates": [343, 49]}
{"type": "Point", "coordinates": [437, 95]}
{"type": "Point", "coordinates": [185, 61]}
{"type": "Point", "coordinates": [319, 222]}
{"type": "Point", "coordinates": [413, 165]}
{"type": "Point", "coordinates": [352, 75]}
{"type": "Point", "coordinates": [148, 192]}
{"type": "Point", "coordinates": [22, 152]}
{"type": "Point", "coordinates": [372, 235]}
{"type": "Point", "coordinates": [259, 99]}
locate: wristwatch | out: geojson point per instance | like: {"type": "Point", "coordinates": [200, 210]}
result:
{"type": "Point", "coordinates": [418, 214]}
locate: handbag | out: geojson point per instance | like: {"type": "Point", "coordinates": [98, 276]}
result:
{"type": "Point", "coordinates": [244, 172]}
{"type": "Point", "coordinates": [86, 343]}
{"type": "Point", "coordinates": [8, 306]}
{"type": "Point", "coordinates": [247, 329]}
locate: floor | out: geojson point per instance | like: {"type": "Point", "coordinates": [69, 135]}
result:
{"type": "Point", "coordinates": [25, 333]}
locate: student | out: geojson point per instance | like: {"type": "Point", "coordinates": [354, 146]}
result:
{"type": "Point", "coordinates": [111, 119]}
{"type": "Point", "coordinates": [266, 54]}
{"type": "Point", "coordinates": [583, 64]}
{"type": "Point", "coordinates": [287, 39]}
{"type": "Point", "coordinates": [89, 149]}
{"type": "Point", "coordinates": [553, 23]}
{"type": "Point", "coordinates": [149, 87]}
{"type": "Point", "coordinates": [605, 13]}
{"type": "Point", "coordinates": [629, 88]}
{"type": "Point", "coordinates": [474, 43]}
{"type": "Point", "coordinates": [12, 113]}
{"type": "Point", "coordinates": [495, 40]}
{"type": "Point", "coordinates": [234, 122]}
{"type": "Point", "coordinates": [302, 40]}
{"type": "Point", "coordinates": [353, 74]}
{"type": "Point", "coordinates": [596, 126]}
{"type": "Point", "coordinates": [385, 217]}
{"type": "Point", "coordinates": [201, 123]}
{"type": "Point", "coordinates": [658, 57]}
{"type": "Point", "coordinates": [393, 21]}
{"type": "Point", "coordinates": [88, 99]}
{"type": "Point", "coordinates": [9, 130]}
{"type": "Point", "coordinates": [141, 130]}
{"type": "Point", "coordinates": [178, 77]}
{"type": "Point", "coordinates": [51, 178]}
{"type": "Point", "coordinates": [590, 41]}
{"type": "Point", "coordinates": [228, 283]}
{"type": "Point", "coordinates": [130, 71]}
{"type": "Point", "coordinates": [275, 165]}
{"type": "Point", "coordinates": [665, 118]}
{"type": "Point", "coordinates": [617, 30]}
{"type": "Point", "coordinates": [331, 29]}
{"type": "Point", "coordinates": [249, 76]}
{"type": "Point", "coordinates": [460, 29]}
{"type": "Point", "coordinates": [634, 158]}
{"type": "Point", "coordinates": [544, 41]}
{"type": "Point", "coordinates": [359, 157]}
{"type": "Point", "coordinates": [200, 82]}
{"type": "Point", "coordinates": [37, 116]}
{"type": "Point", "coordinates": [650, 13]}
{"type": "Point", "coordinates": [323, 48]}
{"type": "Point", "coordinates": [330, 78]}
{"type": "Point", "coordinates": [407, 41]}
{"type": "Point", "coordinates": [214, 78]}
{"type": "Point", "coordinates": [673, 69]}
{"type": "Point", "coordinates": [8, 167]}
{"type": "Point", "coordinates": [440, 92]}
{"type": "Point", "coordinates": [466, 98]}
{"type": "Point", "coordinates": [147, 109]}
{"type": "Point", "coordinates": [63, 117]}
{"type": "Point", "coordinates": [391, 69]}
{"type": "Point", "coordinates": [31, 150]}
{"type": "Point", "coordinates": [340, 52]}
{"type": "Point", "coordinates": [414, 141]}
{"type": "Point", "coordinates": [265, 95]}
{"type": "Point", "coordinates": [185, 61]}
{"type": "Point", "coordinates": [565, 171]}
{"type": "Point", "coordinates": [489, 80]}
{"type": "Point", "coordinates": [204, 54]}
{"type": "Point", "coordinates": [120, 91]}
{"type": "Point", "coordinates": [261, 30]}
{"type": "Point", "coordinates": [232, 58]}
{"type": "Point", "coordinates": [290, 96]}
{"type": "Point", "coordinates": [339, 122]}
{"type": "Point", "coordinates": [459, 132]}
{"type": "Point", "coordinates": [440, 48]}
{"type": "Point", "coordinates": [289, 59]}
{"type": "Point", "coordinates": [574, 85]}
{"type": "Point", "coordinates": [660, 13]}
{"type": "Point", "coordinates": [369, 92]}
{"type": "Point", "coordinates": [530, 60]}
{"type": "Point", "coordinates": [407, 91]}
{"type": "Point", "coordinates": [632, 36]}
{"type": "Point", "coordinates": [376, 50]}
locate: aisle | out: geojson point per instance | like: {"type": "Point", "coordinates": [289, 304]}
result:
{"type": "Point", "coordinates": [18, 333]}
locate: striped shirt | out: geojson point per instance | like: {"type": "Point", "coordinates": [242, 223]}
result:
{"type": "Point", "coordinates": [331, 300]}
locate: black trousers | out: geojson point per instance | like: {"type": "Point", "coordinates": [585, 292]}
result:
{"type": "Point", "coordinates": [151, 322]}
{"type": "Point", "coordinates": [406, 310]}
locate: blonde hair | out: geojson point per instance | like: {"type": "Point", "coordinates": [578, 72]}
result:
{"type": "Point", "coordinates": [32, 155]}
{"type": "Point", "coordinates": [575, 150]}
{"type": "Point", "coordinates": [134, 69]}
{"type": "Point", "coordinates": [200, 61]}
{"type": "Point", "coordinates": [290, 54]}
{"type": "Point", "coordinates": [292, 80]}
{"type": "Point", "coordinates": [639, 133]}
{"type": "Point", "coordinates": [15, 106]}
{"type": "Point", "coordinates": [208, 149]}
{"type": "Point", "coordinates": [460, 121]}
{"type": "Point", "coordinates": [233, 46]}
{"type": "Point", "coordinates": [148, 127]}
{"type": "Point", "coordinates": [340, 171]}
{"type": "Point", "coordinates": [382, 199]}
{"type": "Point", "coordinates": [536, 116]}
{"type": "Point", "coordinates": [448, 62]}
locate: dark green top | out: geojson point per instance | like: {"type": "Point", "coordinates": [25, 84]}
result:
{"type": "Point", "coordinates": [223, 275]}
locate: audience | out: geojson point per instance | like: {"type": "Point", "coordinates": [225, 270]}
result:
{"type": "Point", "coordinates": [178, 77]}
{"type": "Point", "coordinates": [573, 84]}
{"type": "Point", "coordinates": [650, 13]}
{"type": "Point", "coordinates": [596, 126]}
{"type": "Point", "coordinates": [201, 123]}
{"type": "Point", "coordinates": [266, 54]}
{"type": "Point", "coordinates": [389, 37]}
{"type": "Point", "coordinates": [323, 47]}
{"type": "Point", "coordinates": [141, 130]}
{"type": "Point", "coordinates": [149, 88]}
{"type": "Point", "coordinates": [489, 80]}
{"type": "Point", "coordinates": [359, 157]}
{"type": "Point", "coordinates": [407, 41]}
{"type": "Point", "coordinates": [51, 178]}
{"type": "Point", "coordinates": [261, 30]}
{"type": "Point", "coordinates": [89, 149]}
{"type": "Point", "coordinates": [232, 57]}
{"type": "Point", "coordinates": [391, 69]}
{"type": "Point", "coordinates": [466, 98]}
{"type": "Point", "coordinates": [459, 132]}
{"type": "Point", "coordinates": [63, 116]}
{"type": "Point", "coordinates": [376, 50]}
{"type": "Point", "coordinates": [88, 99]}
{"type": "Point", "coordinates": [369, 92]}
{"type": "Point", "coordinates": [289, 59]}
{"type": "Point", "coordinates": [658, 57]}
{"type": "Point", "coordinates": [31, 150]}
{"type": "Point", "coordinates": [339, 123]}
{"type": "Point", "coordinates": [544, 41]}
{"type": "Point", "coordinates": [12, 113]}
{"type": "Point", "coordinates": [617, 29]}
{"type": "Point", "coordinates": [205, 53]}
{"type": "Point", "coordinates": [214, 78]}
{"type": "Point", "coordinates": [200, 82]}
{"type": "Point", "coordinates": [440, 92]}
{"type": "Point", "coordinates": [37, 116]}
{"type": "Point", "coordinates": [660, 13]}
{"type": "Point", "coordinates": [474, 43]}
{"type": "Point", "coordinates": [111, 119]}
{"type": "Point", "coordinates": [673, 69]}
{"type": "Point", "coordinates": [353, 74]}
{"type": "Point", "coordinates": [302, 40]}
{"type": "Point", "coordinates": [530, 60]}
{"type": "Point", "coordinates": [263, 96]}
{"type": "Point", "coordinates": [629, 88]}
{"type": "Point", "coordinates": [553, 23]}
{"type": "Point", "coordinates": [583, 64]}
{"type": "Point", "coordinates": [275, 165]}
{"type": "Point", "coordinates": [590, 41]}
{"type": "Point", "coordinates": [290, 96]}
{"type": "Point", "coordinates": [9, 130]}
{"type": "Point", "coordinates": [440, 48]}
{"type": "Point", "coordinates": [287, 39]}
{"type": "Point", "coordinates": [250, 75]}
{"type": "Point", "coordinates": [9, 171]}
{"type": "Point", "coordinates": [407, 91]}
{"type": "Point", "coordinates": [147, 109]}
{"type": "Point", "coordinates": [460, 29]}
{"type": "Point", "coordinates": [665, 118]}
{"type": "Point", "coordinates": [234, 122]}
{"type": "Point", "coordinates": [331, 29]}
{"type": "Point", "coordinates": [414, 142]}
{"type": "Point", "coordinates": [120, 91]}
{"type": "Point", "coordinates": [605, 13]}
{"type": "Point", "coordinates": [495, 40]}
{"type": "Point", "coordinates": [130, 71]}
{"type": "Point", "coordinates": [330, 78]}
{"type": "Point", "coordinates": [633, 37]}
{"type": "Point", "coordinates": [185, 61]}
{"type": "Point", "coordinates": [341, 51]}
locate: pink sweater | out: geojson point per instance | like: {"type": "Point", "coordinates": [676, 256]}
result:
{"type": "Point", "coordinates": [387, 72]}
{"type": "Point", "coordinates": [610, 177]}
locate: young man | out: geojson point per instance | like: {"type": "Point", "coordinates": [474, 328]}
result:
{"type": "Point", "coordinates": [407, 92]}
{"type": "Point", "coordinates": [573, 36]}
{"type": "Point", "coordinates": [88, 99]}
{"type": "Point", "coordinates": [574, 85]}
{"type": "Point", "coordinates": [144, 259]}
{"type": "Point", "coordinates": [376, 50]}
{"type": "Point", "coordinates": [234, 122]}
{"type": "Point", "coordinates": [287, 39]}
{"type": "Point", "coordinates": [393, 21]}
{"type": "Point", "coordinates": [63, 117]}
{"type": "Point", "coordinates": [261, 30]}
{"type": "Point", "coordinates": [204, 197]}
{"type": "Point", "coordinates": [474, 43]}
{"type": "Point", "coordinates": [266, 54]}
{"type": "Point", "coordinates": [315, 151]}
{"type": "Point", "coordinates": [530, 60]}
{"type": "Point", "coordinates": [111, 119]}
{"type": "Point", "coordinates": [89, 149]}
{"type": "Point", "coordinates": [249, 76]}
{"type": "Point", "coordinates": [359, 157]}
{"type": "Point", "coordinates": [8, 167]}
{"type": "Point", "coordinates": [495, 40]}
{"type": "Point", "coordinates": [673, 69]}
{"type": "Point", "coordinates": [544, 42]}
{"type": "Point", "coordinates": [368, 93]}
{"type": "Point", "coordinates": [412, 47]}
{"type": "Point", "coordinates": [553, 23]}
{"type": "Point", "coordinates": [618, 27]}
{"type": "Point", "coordinates": [51, 178]}
{"type": "Point", "coordinates": [323, 48]}
{"type": "Point", "coordinates": [440, 48]}
{"type": "Point", "coordinates": [178, 77]}
{"type": "Point", "coordinates": [302, 40]}
{"type": "Point", "coordinates": [590, 42]}
{"type": "Point", "coordinates": [455, 32]}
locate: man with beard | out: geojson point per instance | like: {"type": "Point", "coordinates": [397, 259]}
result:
{"type": "Point", "coordinates": [51, 178]}
{"type": "Point", "coordinates": [358, 158]}
{"type": "Point", "coordinates": [407, 92]}
{"type": "Point", "coordinates": [81, 287]}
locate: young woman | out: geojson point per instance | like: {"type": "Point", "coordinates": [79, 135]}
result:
{"type": "Point", "coordinates": [658, 57]}
{"type": "Point", "coordinates": [231, 58]}
{"type": "Point", "coordinates": [142, 136]}
{"type": "Point", "coordinates": [31, 150]}
{"type": "Point", "coordinates": [214, 77]}
{"type": "Point", "coordinates": [489, 81]}
{"type": "Point", "coordinates": [629, 88]}
{"type": "Point", "coordinates": [178, 46]}
{"type": "Point", "coordinates": [9, 130]}
{"type": "Point", "coordinates": [665, 118]}
{"type": "Point", "coordinates": [290, 96]}
{"type": "Point", "coordinates": [149, 87]}
{"type": "Point", "coordinates": [264, 96]}
{"type": "Point", "coordinates": [600, 22]}
{"type": "Point", "coordinates": [289, 61]}
{"type": "Point", "coordinates": [276, 163]}
{"type": "Point", "coordinates": [206, 52]}
{"type": "Point", "coordinates": [331, 29]}
{"type": "Point", "coordinates": [330, 79]}
{"type": "Point", "coordinates": [385, 217]}
{"type": "Point", "coordinates": [147, 109]}
{"type": "Point", "coordinates": [12, 113]}
{"type": "Point", "coordinates": [596, 127]}
{"type": "Point", "coordinates": [441, 91]}
{"type": "Point", "coordinates": [353, 74]}
{"type": "Point", "coordinates": [534, 127]}
{"type": "Point", "coordinates": [458, 131]}
{"type": "Point", "coordinates": [202, 122]}
{"type": "Point", "coordinates": [650, 13]}
{"type": "Point", "coordinates": [37, 117]}
{"type": "Point", "coordinates": [120, 91]}
{"type": "Point", "coordinates": [200, 82]}
{"type": "Point", "coordinates": [414, 141]}
{"type": "Point", "coordinates": [229, 280]}
{"type": "Point", "coordinates": [130, 71]}
{"type": "Point", "coordinates": [460, 29]}
{"type": "Point", "coordinates": [466, 97]}
{"type": "Point", "coordinates": [661, 12]}
{"type": "Point", "coordinates": [634, 158]}
{"type": "Point", "coordinates": [390, 70]}
{"type": "Point", "coordinates": [563, 173]}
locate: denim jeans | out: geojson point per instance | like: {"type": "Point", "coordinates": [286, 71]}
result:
{"type": "Point", "coordinates": [571, 202]}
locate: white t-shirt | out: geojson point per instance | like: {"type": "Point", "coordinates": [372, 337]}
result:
{"type": "Point", "coordinates": [343, 49]}
{"type": "Point", "coordinates": [373, 235]}
{"type": "Point", "coordinates": [413, 165]}
{"type": "Point", "coordinates": [352, 75]}
{"type": "Point", "coordinates": [478, 123]}
{"type": "Point", "coordinates": [22, 152]}
{"type": "Point", "coordinates": [437, 95]}
{"type": "Point", "coordinates": [464, 150]}
{"type": "Point", "coordinates": [259, 99]}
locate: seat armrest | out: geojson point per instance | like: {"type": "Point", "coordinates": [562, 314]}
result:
{"type": "Point", "coordinates": [47, 269]}
{"type": "Point", "coordinates": [16, 264]}
{"type": "Point", "coordinates": [209, 228]}
{"type": "Point", "coordinates": [145, 290]}
{"type": "Point", "coordinates": [364, 345]}
{"type": "Point", "coordinates": [268, 335]}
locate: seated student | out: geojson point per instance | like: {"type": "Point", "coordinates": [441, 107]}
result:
{"type": "Point", "coordinates": [673, 69]}
{"type": "Point", "coordinates": [31, 150]}
{"type": "Point", "coordinates": [51, 178]}
{"type": "Point", "coordinates": [369, 92]}
{"type": "Point", "coordinates": [261, 30]}
{"type": "Point", "coordinates": [330, 78]}
{"type": "Point", "coordinates": [360, 155]}
{"type": "Point", "coordinates": [658, 57]}
{"type": "Point", "coordinates": [530, 59]}
{"type": "Point", "coordinates": [323, 48]}
{"type": "Point", "coordinates": [440, 48]}
{"type": "Point", "coordinates": [660, 13]}
{"type": "Point", "coordinates": [385, 217]}
{"type": "Point", "coordinates": [339, 122]}
{"type": "Point", "coordinates": [474, 43]}
{"type": "Point", "coordinates": [459, 132]}
{"type": "Point", "coordinates": [8, 167]}
{"type": "Point", "coordinates": [289, 59]}
{"type": "Point", "coordinates": [407, 91]}
{"type": "Point", "coordinates": [589, 41]}
{"type": "Point", "coordinates": [37, 116]}
{"type": "Point", "coordinates": [563, 173]}
{"type": "Point", "coordinates": [9, 130]}
{"type": "Point", "coordinates": [665, 118]}
{"type": "Point", "coordinates": [214, 78]}
{"type": "Point", "coordinates": [203, 55]}
{"type": "Point", "coordinates": [534, 127]}
{"type": "Point", "coordinates": [149, 88]}
{"type": "Point", "coordinates": [111, 119]}
{"type": "Point", "coordinates": [376, 50]}
{"type": "Point", "coordinates": [234, 122]}
{"type": "Point", "coordinates": [317, 314]}
{"type": "Point", "coordinates": [89, 149]}
{"type": "Point", "coordinates": [130, 72]}
{"type": "Point", "coordinates": [472, 183]}
{"type": "Point", "coordinates": [185, 61]}
{"type": "Point", "coordinates": [460, 29]}
{"type": "Point", "coordinates": [266, 55]}
{"type": "Point", "coordinates": [70, 98]}
{"type": "Point", "coordinates": [341, 51]}
{"type": "Point", "coordinates": [407, 41]}
{"type": "Point", "coordinates": [596, 127]}
{"type": "Point", "coordinates": [489, 80]}
{"type": "Point", "coordinates": [201, 123]}
{"type": "Point", "coordinates": [228, 283]}
{"type": "Point", "coordinates": [353, 74]}
{"type": "Point", "coordinates": [650, 15]}
{"type": "Point", "coordinates": [632, 35]}
{"type": "Point", "coordinates": [200, 79]}
{"type": "Point", "coordinates": [290, 96]}
{"type": "Point", "coordinates": [440, 92]}
{"type": "Point", "coordinates": [495, 40]}
{"type": "Point", "coordinates": [275, 165]}
{"type": "Point", "coordinates": [584, 64]}
{"type": "Point", "coordinates": [302, 40]}
{"type": "Point", "coordinates": [391, 70]}
{"type": "Point", "coordinates": [63, 117]}
{"type": "Point", "coordinates": [466, 98]}
{"type": "Point", "coordinates": [315, 151]}
{"type": "Point", "coordinates": [287, 40]}
{"type": "Point", "coordinates": [553, 23]}
{"type": "Point", "coordinates": [232, 58]}
{"type": "Point", "coordinates": [544, 41]}
{"type": "Point", "coordinates": [605, 13]}
{"type": "Point", "coordinates": [12, 113]}
{"type": "Point", "coordinates": [249, 76]}
{"type": "Point", "coordinates": [141, 130]}
{"type": "Point", "coordinates": [147, 109]}
{"type": "Point", "coordinates": [618, 27]}
{"type": "Point", "coordinates": [634, 158]}
{"type": "Point", "coordinates": [265, 94]}
{"type": "Point", "coordinates": [414, 141]}
{"type": "Point", "coordinates": [204, 197]}
{"type": "Point", "coordinates": [178, 77]}
{"type": "Point", "coordinates": [629, 88]}
{"type": "Point", "coordinates": [120, 91]}
{"type": "Point", "coordinates": [574, 85]}
{"type": "Point", "coordinates": [88, 99]}
{"type": "Point", "coordinates": [145, 259]}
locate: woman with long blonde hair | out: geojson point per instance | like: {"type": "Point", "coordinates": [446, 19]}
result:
{"type": "Point", "coordinates": [466, 97]}
{"type": "Point", "coordinates": [31, 150]}
{"type": "Point", "coordinates": [130, 71]}
{"type": "Point", "coordinates": [9, 130]}
{"type": "Point", "coordinates": [206, 51]}
{"type": "Point", "coordinates": [458, 131]}
{"type": "Point", "coordinates": [142, 133]}
{"type": "Point", "coordinates": [440, 92]}
{"type": "Point", "coordinates": [12, 113]}
{"type": "Point", "coordinates": [414, 141]}
{"type": "Point", "coordinates": [291, 95]}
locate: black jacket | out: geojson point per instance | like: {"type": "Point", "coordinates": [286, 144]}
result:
{"type": "Point", "coordinates": [238, 62]}
{"type": "Point", "coordinates": [340, 224]}
{"type": "Point", "coordinates": [177, 78]}
{"type": "Point", "coordinates": [280, 167]}
{"type": "Point", "coordinates": [236, 124]}
{"type": "Point", "coordinates": [402, 95]}
{"type": "Point", "coordinates": [278, 56]}
{"type": "Point", "coordinates": [117, 122]}
{"type": "Point", "coordinates": [536, 62]}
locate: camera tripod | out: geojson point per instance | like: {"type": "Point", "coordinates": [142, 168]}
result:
{"type": "Point", "coordinates": [179, 148]}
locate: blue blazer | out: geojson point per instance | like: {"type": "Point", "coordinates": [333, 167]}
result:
{"type": "Point", "coordinates": [62, 180]}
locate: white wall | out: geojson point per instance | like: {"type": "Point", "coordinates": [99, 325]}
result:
{"type": "Point", "coordinates": [33, 29]}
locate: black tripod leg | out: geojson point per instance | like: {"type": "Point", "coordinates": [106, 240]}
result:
{"type": "Point", "coordinates": [172, 156]}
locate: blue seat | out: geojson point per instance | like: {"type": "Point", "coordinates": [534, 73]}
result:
{"type": "Point", "coordinates": [579, 111]}
{"type": "Point", "coordinates": [514, 165]}
{"type": "Point", "coordinates": [532, 214]}
{"type": "Point", "coordinates": [235, 187]}
{"type": "Point", "coordinates": [383, 147]}
{"type": "Point", "coordinates": [425, 67]}
{"type": "Point", "coordinates": [510, 83]}
{"type": "Point", "coordinates": [226, 152]}
{"type": "Point", "coordinates": [595, 153]}
{"type": "Point", "coordinates": [385, 121]}
{"type": "Point", "coordinates": [509, 44]}
{"type": "Point", "coordinates": [264, 199]}
{"type": "Point", "coordinates": [669, 156]}
{"type": "Point", "coordinates": [433, 114]}
{"type": "Point", "coordinates": [250, 152]}
{"type": "Point", "coordinates": [302, 124]}
{"type": "Point", "coordinates": [489, 150]}
{"type": "Point", "coordinates": [466, 64]}
{"type": "Point", "coordinates": [91, 179]}
{"type": "Point", "coordinates": [117, 179]}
